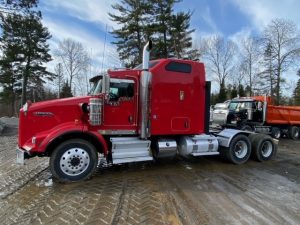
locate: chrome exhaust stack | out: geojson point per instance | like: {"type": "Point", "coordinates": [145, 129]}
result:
{"type": "Point", "coordinates": [145, 81]}
{"type": "Point", "coordinates": [146, 55]}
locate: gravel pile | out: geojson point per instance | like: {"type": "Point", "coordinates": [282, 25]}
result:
{"type": "Point", "coordinates": [9, 125]}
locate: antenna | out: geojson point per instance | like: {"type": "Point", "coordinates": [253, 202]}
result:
{"type": "Point", "coordinates": [104, 47]}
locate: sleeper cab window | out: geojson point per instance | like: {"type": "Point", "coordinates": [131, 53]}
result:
{"type": "Point", "coordinates": [179, 67]}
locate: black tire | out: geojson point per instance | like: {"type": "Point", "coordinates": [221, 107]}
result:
{"type": "Point", "coordinates": [237, 155]}
{"type": "Point", "coordinates": [263, 147]}
{"type": "Point", "coordinates": [73, 160]}
{"type": "Point", "coordinates": [251, 137]}
{"type": "Point", "coordinates": [246, 128]}
{"type": "Point", "coordinates": [294, 132]}
{"type": "Point", "coordinates": [276, 132]}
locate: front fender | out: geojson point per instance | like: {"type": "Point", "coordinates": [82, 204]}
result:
{"type": "Point", "coordinates": [62, 129]}
{"type": "Point", "coordinates": [70, 128]}
{"type": "Point", "coordinates": [101, 139]}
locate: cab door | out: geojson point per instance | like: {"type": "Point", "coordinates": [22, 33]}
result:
{"type": "Point", "coordinates": [120, 110]}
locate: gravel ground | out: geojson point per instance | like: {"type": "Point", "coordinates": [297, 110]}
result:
{"type": "Point", "coordinates": [200, 191]}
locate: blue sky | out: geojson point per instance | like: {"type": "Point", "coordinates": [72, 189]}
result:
{"type": "Point", "coordinates": [86, 21]}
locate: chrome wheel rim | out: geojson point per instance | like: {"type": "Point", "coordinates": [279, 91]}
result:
{"type": "Point", "coordinates": [240, 149]}
{"type": "Point", "coordinates": [74, 161]}
{"type": "Point", "coordinates": [266, 149]}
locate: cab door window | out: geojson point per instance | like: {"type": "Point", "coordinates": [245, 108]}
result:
{"type": "Point", "coordinates": [121, 90]}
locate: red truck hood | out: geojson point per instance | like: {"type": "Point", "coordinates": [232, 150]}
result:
{"type": "Point", "coordinates": [59, 102]}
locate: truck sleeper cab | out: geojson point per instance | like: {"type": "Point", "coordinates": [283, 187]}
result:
{"type": "Point", "coordinates": [158, 111]}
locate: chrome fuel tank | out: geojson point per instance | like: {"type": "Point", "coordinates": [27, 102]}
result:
{"type": "Point", "coordinates": [198, 145]}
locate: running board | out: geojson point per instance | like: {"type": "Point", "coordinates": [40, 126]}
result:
{"type": "Point", "coordinates": [130, 149]}
{"type": "Point", "coordinates": [205, 153]}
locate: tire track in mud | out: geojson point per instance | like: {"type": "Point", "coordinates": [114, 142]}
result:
{"type": "Point", "coordinates": [246, 195]}
{"type": "Point", "coordinates": [200, 191]}
{"type": "Point", "coordinates": [102, 200]}
{"type": "Point", "coordinates": [13, 176]}
{"type": "Point", "coordinates": [181, 203]}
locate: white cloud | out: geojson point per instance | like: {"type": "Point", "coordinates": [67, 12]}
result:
{"type": "Point", "coordinates": [93, 43]}
{"type": "Point", "coordinates": [91, 11]}
{"type": "Point", "coordinates": [261, 12]}
{"type": "Point", "coordinates": [87, 10]}
{"type": "Point", "coordinates": [206, 15]}
{"type": "Point", "coordinates": [240, 35]}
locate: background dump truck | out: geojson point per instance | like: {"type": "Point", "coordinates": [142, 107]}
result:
{"type": "Point", "coordinates": [156, 110]}
{"type": "Point", "coordinates": [259, 114]}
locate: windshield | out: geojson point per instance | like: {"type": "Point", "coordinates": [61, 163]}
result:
{"type": "Point", "coordinates": [240, 105]}
{"type": "Point", "coordinates": [96, 88]}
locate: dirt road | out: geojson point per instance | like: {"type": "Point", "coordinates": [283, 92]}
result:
{"type": "Point", "coordinates": [200, 191]}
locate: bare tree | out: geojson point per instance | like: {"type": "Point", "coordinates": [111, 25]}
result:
{"type": "Point", "coordinates": [74, 58]}
{"type": "Point", "coordinates": [267, 79]}
{"type": "Point", "coordinates": [59, 78]}
{"type": "Point", "coordinates": [249, 64]}
{"type": "Point", "coordinates": [283, 40]}
{"type": "Point", "coordinates": [219, 55]}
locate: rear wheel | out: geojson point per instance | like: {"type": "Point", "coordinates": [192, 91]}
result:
{"type": "Point", "coordinates": [294, 132]}
{"type": "Point", "coordinates": [276, 132]}
{"type": "Point", "coordinates": [263, 147]}
{"type": "Point", "coordinates": [73, 160]}
{"type": "Point", "coordinates": [239, 149]}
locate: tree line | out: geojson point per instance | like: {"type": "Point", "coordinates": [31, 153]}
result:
{"type": "Point", "coordinates": [248, 66]}
{"type": "Point", "coordinates": [25, 53]}
{"type": "Point", "coordinates": [261, 63]}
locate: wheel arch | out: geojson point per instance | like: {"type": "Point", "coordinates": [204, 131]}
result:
{"type": "Point", "coordinates": [225, 136]}
{"type": "Point", "coordinates": [96, 140]}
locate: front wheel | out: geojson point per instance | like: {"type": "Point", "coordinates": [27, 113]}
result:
{"type": "Point", "coordinates": [239, 149]}
{"type": "Point", "coordinates": [73, 160]}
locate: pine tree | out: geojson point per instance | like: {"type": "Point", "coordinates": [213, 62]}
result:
{"type": "Point", "coordinates": [222, 94]}
{"type": "Point", "coordinates": [241, 91]}
{"type": "Point", "coordinates": [181, 40]}
{"type": "Point", "coordinates": [234, 92]}
{"type": "Point", "coordinates": [297, 91]}
{"type": "Point", "coordinates": [66, 91]}
{"type": "Point", "coordinates": [132, 15]}
{"type": "Point", "coordinates": [145, 19]}
{"type": "Point", "coordinates": [267, 81]}
{"type": "Point", "coordinates": [163, 15]}
{"type": "Point", "coordinates": [24, 47]}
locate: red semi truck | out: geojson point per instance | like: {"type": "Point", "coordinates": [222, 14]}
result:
{"type": "Point", "coordinates": [257, 113]}
{"type": "Point", "coordinates": [156, 110]}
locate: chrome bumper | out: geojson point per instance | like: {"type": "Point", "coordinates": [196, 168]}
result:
{"type": "Point", "coordinates": [20, 156]}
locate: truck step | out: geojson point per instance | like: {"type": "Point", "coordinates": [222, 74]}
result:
{"type": "Point", "coordinates": [130, 149]}
{"type": "Point", "coordinates": [204, 153]}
